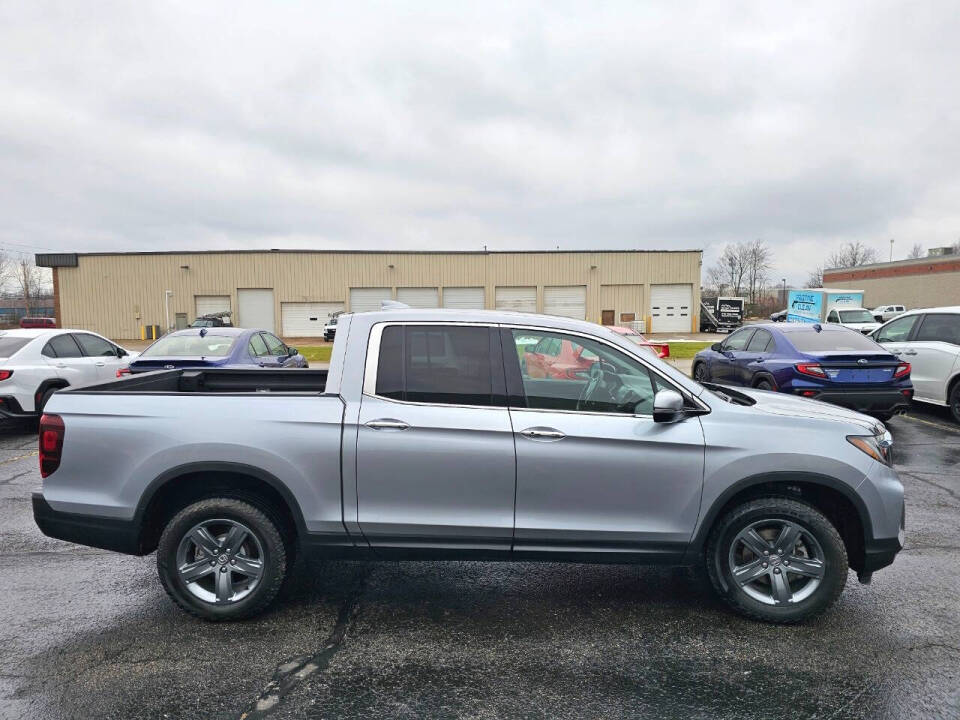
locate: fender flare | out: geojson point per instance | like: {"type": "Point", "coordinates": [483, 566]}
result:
{"type": "Point", "coordinates": [55, 382]}
{"type": "Point", "coordinates": [699, 540]}
{"type": "Point", "coordinates": [222, 467]}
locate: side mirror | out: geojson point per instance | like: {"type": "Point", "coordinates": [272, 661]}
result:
{"type": "Point", "coordinates": [121, 352]}
{"type": "Point", "coordinates": [717, 347]}
{"type": "Point", "coordinates": [292, 351]}
{"type": "Point", "coordinates": [667, 406]}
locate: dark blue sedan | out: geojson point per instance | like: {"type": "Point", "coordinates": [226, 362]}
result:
{"type": "Point", "coordinates": [218, 347]}
{"type": "Point", "coordinates": [824, 362]}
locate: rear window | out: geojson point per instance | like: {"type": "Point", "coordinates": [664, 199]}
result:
{"type": "Point", "coordinates": [209, 345]}
{"type": "Point", "coordinates": [827, 340]}
{"type": "Point", "coordinates": [434, 364]}
{"type": "Point", "coordinates": [10, 345]}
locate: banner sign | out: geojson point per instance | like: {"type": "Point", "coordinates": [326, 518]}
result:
{"type": "Point", "coordinates": [804, 306]}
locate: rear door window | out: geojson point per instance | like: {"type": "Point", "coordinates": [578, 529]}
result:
{"type": "Point", "coordinates": [437, 364]}
{"type": "Point", "coordinates": [761, 342]}
{"type": "Point", "coordinates": [62, 346]}
{"type": "Point", "coordinates": [897, 330]}
{"type": "Point", "coordinates": [939, 327]}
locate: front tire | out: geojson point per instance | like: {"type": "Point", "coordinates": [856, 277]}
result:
{"type": "Point", "coordinates": [700, 373]}
{"type": "Point", "coordinates": [955, 402]}
{"type": "Point", "coordinates": [776, 559]}
{"type": "Point", "coordinates": [222, 559]}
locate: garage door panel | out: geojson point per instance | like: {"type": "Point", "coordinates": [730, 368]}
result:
{"type": "Point", "coordinates": [416, 297]}
{"type": "Point", "coordinates": [209, 304]}
{"type": "Point", "coordinates": [255, 308]}
{"type": "Point", "coordinates": [520, 299]}
{"type": "Point", "coordinates": [671, 308]}
{"type": "Point", "coordinates": [367, 299]}
{"type": "Point", "coordinates": [566, 300]}
{"type": "Point", "coordinates": [306, 319]}
{"type": "Point", "coordinates": [464, 298]}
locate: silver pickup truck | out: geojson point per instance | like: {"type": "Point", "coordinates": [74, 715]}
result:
{"type": "Point", "coordinates": [486, 435]}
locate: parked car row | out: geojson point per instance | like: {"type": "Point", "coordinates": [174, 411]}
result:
{"type": "Point", "coordinates": [913, 357]}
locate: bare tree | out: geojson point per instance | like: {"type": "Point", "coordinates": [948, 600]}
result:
{"type": "Point", "coordinates": [28, 278]}
{"type": "Point", "coordinates": [815, 279]}
{"type": "Point", "coordinates": [853, 254]}
{"type": "Point", "coordinates": [916, 252]}
{"type": "Point", "coordinates": [757, 258]}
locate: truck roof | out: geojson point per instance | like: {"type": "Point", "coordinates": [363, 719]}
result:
{"type": "Point", "coordinates": [505, 317]}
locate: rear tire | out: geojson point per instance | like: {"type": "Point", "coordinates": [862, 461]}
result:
{"type": "Point", "coordinates": [764, 385]}
{"type": "Point", "coordinates": [955, 402]}
{"type": "Point", "coordinates": [45, 398]}
{"type": "Point", "coordinates": [774, 577]}
{"type": "Point", "coordinates": [222, 559]}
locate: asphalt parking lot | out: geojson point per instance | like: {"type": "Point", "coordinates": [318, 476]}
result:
{"type": "Point", "coordinates": [87, 633]}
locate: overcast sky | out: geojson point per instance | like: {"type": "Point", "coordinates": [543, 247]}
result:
{"type": "Point", "coordinates": [146, 126]}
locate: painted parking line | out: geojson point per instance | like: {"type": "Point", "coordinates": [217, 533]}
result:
{"type": "Point", "coordinates": [933, 424]}
{"type": "Point", "coordinates": [20, 457]}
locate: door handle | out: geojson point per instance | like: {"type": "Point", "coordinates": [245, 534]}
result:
{"type": "Point", "coordinates": [100, 364]}
{"type": "Point", "coordinates": [909, 352]}
{"type": "Point", "coordinates": [61, 365]}
{"type": "Point", "coordinates": [387, 424]}
{"type": "Point", "coordinates": [542, 434]}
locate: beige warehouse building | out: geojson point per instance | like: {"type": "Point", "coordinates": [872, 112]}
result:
{"type": "Point", "coordinates": [293, 292]}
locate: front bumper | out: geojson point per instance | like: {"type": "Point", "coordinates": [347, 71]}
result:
{"type": "Point", "coordinates": [875, 401]}
{"type": "Point", "coordinates": [99, 532]}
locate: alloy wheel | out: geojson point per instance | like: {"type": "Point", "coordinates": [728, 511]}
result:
{"type": "Point", "coordinates": [220, 561]}
{"type": "Point", "coordinates": [776, 562]}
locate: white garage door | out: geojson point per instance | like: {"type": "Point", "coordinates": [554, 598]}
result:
{"type": "Point", "coordinates": [521, 299]}
{"type": "Point", "coordinates": [569, 301]}
{"type": "Point", "coordinates": [463, 298]}
{"type": "Point", "coordinates": [208, 304]}
{"type": "Point", "coordinates": [418, 297]}
{"type": "Point", "coordinates": [255, 309]}
{"type": "Point", "coordinates": [367, 299]}
{"type": "Point", "coordinates": [306, 319]}
{"type": "Point", "coordinates": [670, 309]}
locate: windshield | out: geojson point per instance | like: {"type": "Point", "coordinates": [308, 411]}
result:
{"type": "Point", "coordinates": [10, 345]}
{"type": "Point", "coordinates": [809, 340]}
{"type": "Point", "coordinates": [209, 345]}
{"type": "Point", "coordinates": [856, 316]}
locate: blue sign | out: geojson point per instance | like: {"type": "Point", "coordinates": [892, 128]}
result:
{"type": "Point", "coordinates": [804, 306]}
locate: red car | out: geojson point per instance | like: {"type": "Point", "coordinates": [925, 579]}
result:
{"type": "Point", "coordinates": [563, 359]}
{"type": "Point", "coordinates": [38, 322]}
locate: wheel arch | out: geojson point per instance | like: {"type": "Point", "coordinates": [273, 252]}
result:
{"type": "Point", "coordinates": [178, 487]}
{"type": "Point", "coordinates": [951, 384]}
{"type": "Point", "coordinates": [836, 500]}
{"type": "Point", "coordinates": [57, 383]}
{"type": "Point", "coordinates": [765, 375]}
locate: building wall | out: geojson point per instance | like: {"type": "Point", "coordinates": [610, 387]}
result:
{"type": "Point", "coordinates": [114, 294]}
{"type": "Point", "coordinates": [927, 282]}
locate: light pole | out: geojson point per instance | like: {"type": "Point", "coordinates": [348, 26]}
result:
{"type": "Point", "coordinates": [783, 295]}
{"type": "Point", "coordinates": [891, 249]}
{"type": "Point", "coordinates": [167, 294]}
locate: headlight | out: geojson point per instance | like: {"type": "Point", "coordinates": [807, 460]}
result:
{"type": "Point", "coordinates": [879, 446]}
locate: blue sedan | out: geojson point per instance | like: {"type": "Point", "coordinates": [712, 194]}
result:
{"type": "Point", "coordinates": [823, 362]}
{"type": "Point", "coordinates": [218, 347]}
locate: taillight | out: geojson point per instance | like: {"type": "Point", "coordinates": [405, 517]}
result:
{"type": "Point", "coordinates": [51, 443]}
{"type": "Point", "coordinates": [5, 374]}
{"type": "Point", "coordinates": [903, 370]}
{"type": "Point", "coordinates": [812, 369]}
{"type": "Point", "coordinates": [123, 371]}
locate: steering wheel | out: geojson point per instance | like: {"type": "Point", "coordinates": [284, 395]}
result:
{"type": "Point", "coordinates": [601, 385]}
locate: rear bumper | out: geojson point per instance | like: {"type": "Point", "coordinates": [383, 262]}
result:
{"type": "Point", "coordinates": [879, 401]}
{"type": "Point", "coordinates": [10, 410]}
{"type": "Point", "coordinates": [99, 532]}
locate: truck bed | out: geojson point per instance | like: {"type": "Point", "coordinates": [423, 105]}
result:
{"type": "Point", "coordinates": [215, 381]}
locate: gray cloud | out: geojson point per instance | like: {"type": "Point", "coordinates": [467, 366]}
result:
{"type": "Point", "coordinates": [515, 125]}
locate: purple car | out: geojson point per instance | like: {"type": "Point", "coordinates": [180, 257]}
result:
{"type": "Point", "coordinates": [823, 362]}
{"type": "Point", "coordinates": [218, 347]}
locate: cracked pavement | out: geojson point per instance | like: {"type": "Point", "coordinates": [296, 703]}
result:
{"type": "Point", "coordinates": [88, 633]}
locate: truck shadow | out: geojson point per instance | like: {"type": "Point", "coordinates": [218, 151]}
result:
{"type": "Point", "coordinates": [440, 637]}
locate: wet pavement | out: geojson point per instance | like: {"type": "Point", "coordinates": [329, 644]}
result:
{"type": "Point", "coordinates": [86, 633]}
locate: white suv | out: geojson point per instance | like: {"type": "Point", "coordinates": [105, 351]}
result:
{"type": "Point", "coordinates": [887, 312]}
{"type": "Point", "coordinates": [36, 363]}
{"type": "Point", "coordinates": [929, 340]}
